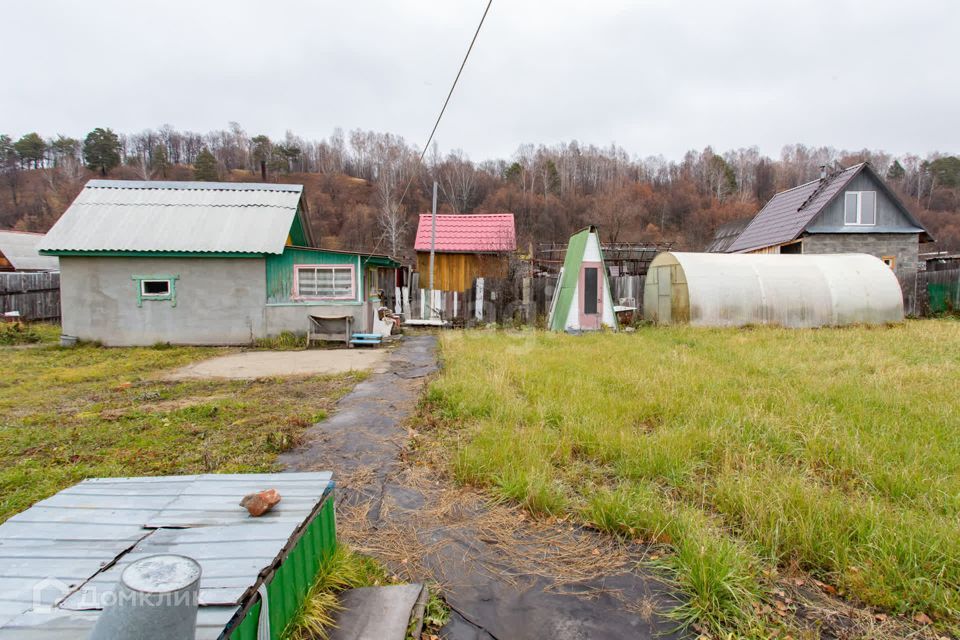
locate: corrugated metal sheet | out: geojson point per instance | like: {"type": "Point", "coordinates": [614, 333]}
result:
{"type": "Point", "coordinates": [118, 215]}
{"type": "Point", "coordinates": [802, 290]}
{"type": "Point", "coordinates": [787, 213]}
{"type": "Point", "coordinates": [475, 233]}
{"type": "Point", "coordinates": [20, 250]}
{"type": "Point", "coordinates": [59, 558]}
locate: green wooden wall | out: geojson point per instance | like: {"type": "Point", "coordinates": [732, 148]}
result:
{"type": "Point", "coordinates": [280, 271]}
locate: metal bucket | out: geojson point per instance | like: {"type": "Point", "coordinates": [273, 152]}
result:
{"type": "Point", "coordinates": [156, 599]}
{"type": "Point", "coordinates": [68, 341]}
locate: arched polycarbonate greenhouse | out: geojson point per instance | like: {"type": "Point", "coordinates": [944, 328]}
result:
{"type": "Point", "coordinates": [724, 290]}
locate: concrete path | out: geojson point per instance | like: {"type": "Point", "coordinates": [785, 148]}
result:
{"type": "Point", "coordinates": [268, 364]}
{"type": "Point", "coordinates": [503, 574]}
{"type": "Point", "coordinates": [376, 613]}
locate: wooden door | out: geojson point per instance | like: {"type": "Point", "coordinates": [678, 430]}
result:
{"type": "Point", "coordinates": [591, 295]}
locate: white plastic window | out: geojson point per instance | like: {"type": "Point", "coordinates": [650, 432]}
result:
{"type": "Point", "coordinates": [860, 208]}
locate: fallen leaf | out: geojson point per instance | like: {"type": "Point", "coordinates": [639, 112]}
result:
{"type": "Point", "coordinates": [782, 606]}
{"type": "Point", "coordinates": [798, 582]}
{"type": "Point", "coordinates": [595, 552]}
{"type": "Point", "coordinates": [880, 616]}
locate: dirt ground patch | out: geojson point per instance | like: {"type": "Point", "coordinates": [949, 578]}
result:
{"type": "Point", "coordinates": [268, 364]}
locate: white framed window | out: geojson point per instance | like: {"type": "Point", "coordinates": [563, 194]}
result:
{"type": "Point", "coordinates": [324, 281]}
{"type": "Point", "coordinates": [154, 288]}
{"type": "Point", "coordinates": [860, 208]}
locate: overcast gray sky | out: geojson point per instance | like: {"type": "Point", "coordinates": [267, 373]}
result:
{"type": "Point", "coordinates": [657, 77]}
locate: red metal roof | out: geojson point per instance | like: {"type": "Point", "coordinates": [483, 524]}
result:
{"type": "Point", "coordinates": [476, 233]}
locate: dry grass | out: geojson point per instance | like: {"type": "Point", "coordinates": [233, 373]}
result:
{"type": "Point", "coordinates": [834, 451]}
{"type": "Point", "coordinates": [70, 414]}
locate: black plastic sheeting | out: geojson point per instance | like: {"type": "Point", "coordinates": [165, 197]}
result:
{"type": "Point", "coordinates": [367, 432]}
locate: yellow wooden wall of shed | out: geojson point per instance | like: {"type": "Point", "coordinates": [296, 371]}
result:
{"type": "Point", "coordinates": [457, 271]}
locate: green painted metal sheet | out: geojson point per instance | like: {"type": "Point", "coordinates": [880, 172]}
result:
{"type": "Point", "coordinates": [293, 578]}
{"type": "Point", "coordinates": [381, 261]}
{"type": "Point", "coordinates": [942, 298]}
{"type": "Point", "coordinates": [571, 274]}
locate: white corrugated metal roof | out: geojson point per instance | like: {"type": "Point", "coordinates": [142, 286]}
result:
{"type": "Point", "coordinates": [121, 215]}
{"type": "Point", "coordinates": [20, 249]}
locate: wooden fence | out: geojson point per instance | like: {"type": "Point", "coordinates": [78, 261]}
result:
{"type": "Point", "coordinates": [35, 295]}
{"type": "Point", "coordinates": [527, 300]}
{"type": "Point", "coordinates": [939, 291]}
{"type": "Point", "coordinates": [523, 301]}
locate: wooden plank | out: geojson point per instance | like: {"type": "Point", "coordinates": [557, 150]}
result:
{"type": "Point", "coordinates": [35, 295]}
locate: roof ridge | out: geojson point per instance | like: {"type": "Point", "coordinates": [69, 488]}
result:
{"type": "Point", "coordinates": [191, 185]}
{"type": "Point", "coordinates": [179, 204]}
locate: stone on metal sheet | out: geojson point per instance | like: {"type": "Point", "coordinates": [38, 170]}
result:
{"type": "Point", "coordinates": [156, 598]}
{"type": "Point", "coordinates": [376, 613]}
{"type": "Point", "coordinates": [260, 502]}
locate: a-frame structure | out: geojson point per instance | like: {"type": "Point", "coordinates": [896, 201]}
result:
{"type": "Point", "coordinates": [583, 300]}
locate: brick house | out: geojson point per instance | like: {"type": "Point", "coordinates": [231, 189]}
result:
{"type": "Point", "coordinates": [848, 211]}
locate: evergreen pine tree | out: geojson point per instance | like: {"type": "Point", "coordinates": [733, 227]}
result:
{"type": "Point", "coordinates": [205, 167]}
{"type": "Point", "coordinates": [101, 150]}
{"type": "Point", "coordinates": [159, 162]}
{"type": "Point", "coordinates": [896, 171]}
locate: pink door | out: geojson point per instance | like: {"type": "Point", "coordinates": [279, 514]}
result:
{"type": "Point", "coordinates": [591, 295]}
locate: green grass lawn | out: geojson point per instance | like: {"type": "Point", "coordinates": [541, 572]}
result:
{"type": "Point", "coordinates": [751, 453]}
{"type": "Point", "coordinates": [75, 413]}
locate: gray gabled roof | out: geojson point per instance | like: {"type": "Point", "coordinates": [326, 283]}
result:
{"type": "Point", "coordinates": [789, 212]}
{"type": "Point", "coordinates": [202, 217]}
{"type": "Point", "coordinates": [20, 250]}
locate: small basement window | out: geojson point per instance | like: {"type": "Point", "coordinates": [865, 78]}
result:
{"type": "Point", "coordinates": [150, 288]}
{"type": "Point", "coordinates": [324, 282]}
{"type": "Point", "coordinates": [156, 287]}
{"type": "Point", "coordinates": [860, 208]}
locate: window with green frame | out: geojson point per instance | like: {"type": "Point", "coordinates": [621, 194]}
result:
{"type": "Point", "coordinates": [156, 288]}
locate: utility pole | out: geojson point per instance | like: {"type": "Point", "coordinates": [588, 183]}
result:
{"type": "Point", "coordinates": [433, 244]}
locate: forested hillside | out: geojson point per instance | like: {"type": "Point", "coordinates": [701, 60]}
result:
{"type": "Point", "coordinates": [364, 188]}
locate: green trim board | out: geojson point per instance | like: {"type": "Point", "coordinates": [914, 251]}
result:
{"type": "Point", "coordinates": [171, 295]}
{"type": "Point", "coordinates": [155, 254]}
{"type": "Point", "coordinates": [288, 584]}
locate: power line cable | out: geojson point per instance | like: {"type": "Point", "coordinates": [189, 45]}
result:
{"type": "Point", "coordinates": [440, 116]}
{"type": "Point", "coordinates": [447, 101]}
